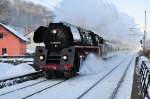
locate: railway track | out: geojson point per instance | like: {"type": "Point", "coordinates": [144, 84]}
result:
{"type": "Point", "coordinates": [106, 75]}
{"type": "Point", "coordinates": [32, 86]}
{"type": "Point", "coordinates": [18, 89]}
{"type": "Point", "coordinates": [19, 79]}
{"type": "Point", "coordinates": [43, 89]}
{"type": "Point", "coordinates": [79, 97]}
{"type": "Point", "coordinates": [121, 81]}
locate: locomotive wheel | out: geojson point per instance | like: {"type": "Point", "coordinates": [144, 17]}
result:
{"type": "Point", "coordinates": [59, 75]}
{"type": "Point", "coordinates": [48, 74]}
{"type": "Point", "coordinates": [69, 74]}
{"type": "Point", "coordinates": [36, 67]}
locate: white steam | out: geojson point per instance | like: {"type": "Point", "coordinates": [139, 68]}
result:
{"type": "Point", "coordinates": [50, 4]}
{"type": "Point", "coordinates": [99, 16]}
{"type": "Point", "coordinates": [92, 65]}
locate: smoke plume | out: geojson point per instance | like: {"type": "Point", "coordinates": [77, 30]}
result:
{"type": "Point", "coordinates": [101, 17]}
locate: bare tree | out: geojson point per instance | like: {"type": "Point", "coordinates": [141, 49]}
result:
{"type": "Point", "coordinates": [4, 10]}
{"type": "Point", "coordinates": [26, 15]}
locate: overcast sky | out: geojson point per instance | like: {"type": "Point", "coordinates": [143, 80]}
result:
{"type": "Point", "coordinates": [134, 8]}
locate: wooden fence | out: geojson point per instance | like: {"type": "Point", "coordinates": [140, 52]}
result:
{"type": "Point", "coordinates": [16, 59]}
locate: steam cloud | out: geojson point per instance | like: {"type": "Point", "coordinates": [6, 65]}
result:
{"type": "Point", "coordinates": [92, 65]}
{"type": "Point", "coordinates": [101, 17]}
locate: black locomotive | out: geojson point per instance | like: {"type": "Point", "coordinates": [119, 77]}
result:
{"type": "Point", "coordinates": [65, 46]}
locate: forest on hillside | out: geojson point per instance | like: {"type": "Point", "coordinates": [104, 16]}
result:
{"type": "Point", "coordinates": [23, 14]}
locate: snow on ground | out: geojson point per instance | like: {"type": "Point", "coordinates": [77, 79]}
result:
{"type": "Point", "coordinates": [13, 71]}
{"type": "Point", "coordinates": [17, 86]}
{"type": "Point", "coordinates": [74, 87]}
{"type": "Point", "coordinates": [145, 98]}
{"type": "Point", "coordinates": [105, 88]}
{"type": "Point", "coordinates": [27, 91]}
{"type": "Point", "coordinates": [126, 88]}
{"type": "Point", "coordinates": [4, 67]}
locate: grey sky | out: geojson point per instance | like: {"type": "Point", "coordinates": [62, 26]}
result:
{"type": "Point", "coordinates": [135, 8]}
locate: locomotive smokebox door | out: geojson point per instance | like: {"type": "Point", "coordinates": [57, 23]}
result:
{"type": "Point", "coordinates": [40, 57]}
{"type": "Point", "coordinates": [67, 59]}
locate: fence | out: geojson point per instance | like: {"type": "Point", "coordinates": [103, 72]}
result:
{"type": "Point", "coordinates": [16, 59]}
{"type": "Point", "coordinates": [144, 79]}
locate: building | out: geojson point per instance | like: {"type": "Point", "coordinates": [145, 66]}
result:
{"type": "Point", "coordinates": [31, 46]}
{"type": "Point", "coordinates": [12, 43]}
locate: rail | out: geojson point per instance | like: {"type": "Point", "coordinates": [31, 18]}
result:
{"type": "Point", "coordinates": [18, 79]}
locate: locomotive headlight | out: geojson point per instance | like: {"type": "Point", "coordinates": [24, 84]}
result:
{"type": "Point", "coordinates": [41, 57]}
{"type": "Point", "coordinates": [54, 31]}
{"type": "Point", "coordinates": [65, 57]}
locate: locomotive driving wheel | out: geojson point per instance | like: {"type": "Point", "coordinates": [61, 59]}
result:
{"type": "Point", "coordinates": [69, 74]}
{"type": "Point", "coordinates": [48, 74]}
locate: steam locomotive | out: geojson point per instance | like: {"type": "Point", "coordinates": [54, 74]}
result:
{"type": "Point", "coordinates": [65, 47]}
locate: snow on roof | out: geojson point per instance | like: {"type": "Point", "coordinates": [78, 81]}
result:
{"type": "Point", "coordinates": [20, 35]}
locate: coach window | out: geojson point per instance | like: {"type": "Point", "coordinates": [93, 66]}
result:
{"type": "Point", "coordinates": [1, 35]}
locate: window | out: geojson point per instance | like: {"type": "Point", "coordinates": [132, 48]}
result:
{"type": "Point", "coordinates": [4, 51]}
{"type": "Point", "coordinates": [1, 35]}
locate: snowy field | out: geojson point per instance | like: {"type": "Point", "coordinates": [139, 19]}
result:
{"type": "Point", "coordinates": [91, 71]}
